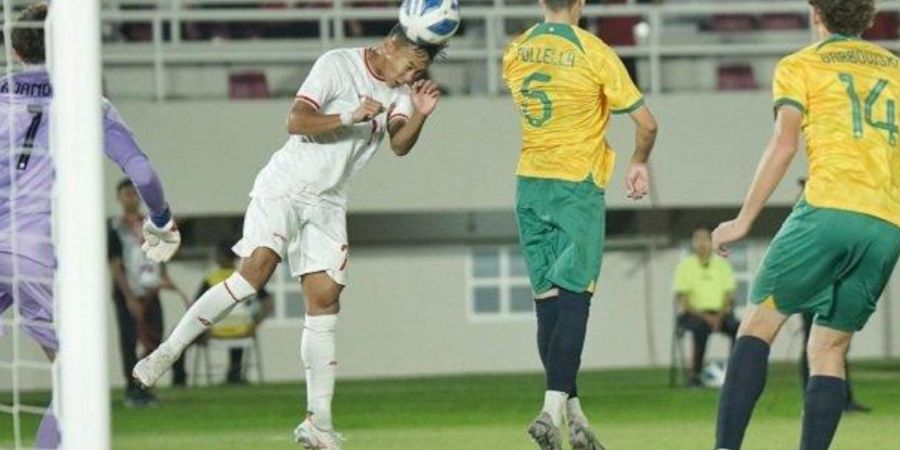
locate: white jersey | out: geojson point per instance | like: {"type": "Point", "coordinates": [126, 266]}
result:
{"type": "Point", "coordinates": [321, 167]}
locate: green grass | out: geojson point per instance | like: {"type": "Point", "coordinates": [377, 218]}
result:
{"type": "Point", "coordinates": [632, 409]}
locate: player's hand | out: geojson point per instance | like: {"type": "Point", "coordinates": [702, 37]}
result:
{"type": "Point", "coordinates": [367, 109]}
{"type": "Point", "coordinates": [160, 244]}
{"type": "Point", "coordinates": [726, 233]}
{"type": "Point", "coordinates": [425, 96]}
{"type": "Point", "coordinates": [637, 181]}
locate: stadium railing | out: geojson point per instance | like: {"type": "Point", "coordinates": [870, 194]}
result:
{"type": "Point", "coordinates": [489, 26]}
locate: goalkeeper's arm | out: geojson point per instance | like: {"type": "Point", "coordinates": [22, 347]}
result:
{"type": "Point", "coordinates": [161, 236]}
{"type": "Point", "coordinates": [122, 149]}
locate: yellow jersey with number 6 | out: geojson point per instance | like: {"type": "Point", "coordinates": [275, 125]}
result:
{"type": "Point", "coordinates": [848, 90]}
{"type": "Point", "coordinates": [566, 82]}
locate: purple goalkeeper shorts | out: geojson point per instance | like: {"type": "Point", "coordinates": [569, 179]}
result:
{"type": "Point", "coordinates": [31, 289]}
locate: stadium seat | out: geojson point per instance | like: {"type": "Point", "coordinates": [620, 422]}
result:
{"type": "Point", "coordinates": [736, 77]}
{"type": "Point", "coordinates": [774, 22]}
{"type": "Point", "coordinates": [729, 23]}
{"type": "Point", "coordinates": [885, 27]}
{"type": "Point", "coordinates": [203, 349]}
{"type": "Point", "coordinates": [248, 85]}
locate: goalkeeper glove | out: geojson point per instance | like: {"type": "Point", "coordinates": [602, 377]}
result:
{"type": "Point", "coordinates": [161, 243]}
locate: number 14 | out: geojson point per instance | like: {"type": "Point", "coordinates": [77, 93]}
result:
{"type": "Point", "coordinates": [856, 106]}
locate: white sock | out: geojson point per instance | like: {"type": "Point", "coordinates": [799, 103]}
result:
{"type": "Point", "coordinates": [573, 410]}
{"type": "Point", "coordinates": [213, 306]}
{"type": "Point", "coordinates": [554, 404]}
{"type": "Point", "coordinates": [317, 351]}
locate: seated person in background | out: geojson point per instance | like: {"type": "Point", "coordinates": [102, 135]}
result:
{"type": "Point", "coordinates": [241, 322]}
{"type": "Point", "coordinates": [704, 283]}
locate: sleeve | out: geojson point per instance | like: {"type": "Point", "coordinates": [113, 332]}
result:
{"type": "Point", "coordinates": [618, 88]}
{"type": "Point", "coordinates": [113, 243]}
{"type": "Point", "coordinates": [682, 282]}
{"type": "Point", "coordinates": [789, 85]}
{"type": "Point", "coordinates": [403, 107]}
{"type": "Point", "coordinates": [121, 147]}
{"type": "Point", "coordinates": [323, 82]}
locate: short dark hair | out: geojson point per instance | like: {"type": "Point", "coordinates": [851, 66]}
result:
{"type": "Point", "coordinates": [703, 227]}
{"type": "Point", "coordinates": [28, 42]}
{"type": "Point", "coordinates": [559, 5]}
{"type": "Point", "coordinates": [124, 183]}
{"type": "Point", "coordinates": [433, 51]}
{"type": "Point", "coordinates": [847, 17]}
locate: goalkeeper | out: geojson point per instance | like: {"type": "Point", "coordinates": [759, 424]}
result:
{"type": "Point", "coordinates": [27, 260]}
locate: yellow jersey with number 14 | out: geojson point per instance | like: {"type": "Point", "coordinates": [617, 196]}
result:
{"type": "Point", "coordinates": [566, 82]}
{"type": "Point", "coordinates": [848, 90]}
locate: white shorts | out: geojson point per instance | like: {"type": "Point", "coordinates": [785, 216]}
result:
{"type": "Point", "coordinates": [310, 235]}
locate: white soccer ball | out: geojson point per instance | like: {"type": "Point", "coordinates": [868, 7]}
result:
{"type": "Point", "coordinates": [714, 374]}
{"type": "Point", "coordinates": [429, 21]}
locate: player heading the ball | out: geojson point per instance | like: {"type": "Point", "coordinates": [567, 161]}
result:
{"type": "Point", "coordinates": [350, 100]}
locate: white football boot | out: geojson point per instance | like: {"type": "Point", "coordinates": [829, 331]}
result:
{"type": "Point", "coordinates": [311, 437]}
{"type": "Point", "coordinates": [148, 370]}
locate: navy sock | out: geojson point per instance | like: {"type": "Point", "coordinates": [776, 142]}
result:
{"type": "Point", "coordinates": [825, 401]}
{"type": "Point", "coordinates": [744, 383]}
{"type": "Point", "coordinates": [547, 313]}
{"type": "Point", "coordinates": [567, 341]}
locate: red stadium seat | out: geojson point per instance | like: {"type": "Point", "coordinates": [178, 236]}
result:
{"type": "Point", "coordinates": [783, 22]}
{"type": "Point", "coordinates": [884, 28]}
{"type": "Point", "coordinates": [248, 85]}
{"type": "Point", "coordinates": [736, 77]}
{"type": "Point", "coordinates": [733, 23]}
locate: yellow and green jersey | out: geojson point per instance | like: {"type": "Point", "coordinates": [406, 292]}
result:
{"type": "Point", "coordinates": [847, 89]}
{"type": "Point", "coordinates": [566, 82]}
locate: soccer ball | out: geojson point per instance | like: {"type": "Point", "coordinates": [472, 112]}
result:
{"type": "Point", "coordinates": [714, 374]}
{"type": "Point", "coordinates": [430, 22]}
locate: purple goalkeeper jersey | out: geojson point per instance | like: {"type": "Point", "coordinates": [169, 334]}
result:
{"type": "Point", "coordinates": [26, 165]}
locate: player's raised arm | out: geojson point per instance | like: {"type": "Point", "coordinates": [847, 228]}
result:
{"type": "Point", "coordinates": [404, 130]}
{"type": "Point", "coordinates": [637, 181]}
{"type": "Point", "coordinates": [774, 164]}
{"type": "Point", "coordinates": [306, 119]}
{"type": "Point", "coordinates": [161, 235]}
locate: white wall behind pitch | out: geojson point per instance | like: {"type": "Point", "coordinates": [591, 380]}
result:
{"type": "Point", "coordinates": [209, 152]}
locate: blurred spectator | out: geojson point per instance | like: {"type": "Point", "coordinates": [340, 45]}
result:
{"type": "Point", "coordinates": [704, 284]}
{"type": "Point", "coordinates": [136, 284]}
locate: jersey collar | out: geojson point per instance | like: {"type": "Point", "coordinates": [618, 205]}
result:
{"type": "Point", "coordinates": [365, 55]}
{"type": "Point", "coordinates": [837, 37]}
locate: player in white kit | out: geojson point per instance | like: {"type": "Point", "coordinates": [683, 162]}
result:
{"type": "Point", "coordinates": [297, 211]}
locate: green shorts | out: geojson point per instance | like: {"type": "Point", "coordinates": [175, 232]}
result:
{"type": "Point", "coordinates": [828, 262]}
{"type": "Point", "coordinates": [561, 229]}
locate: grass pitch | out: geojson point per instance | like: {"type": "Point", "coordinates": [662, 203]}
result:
{"type": "Point", "coordinates": [631, 409]}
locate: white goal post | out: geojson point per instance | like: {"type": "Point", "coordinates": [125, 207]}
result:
{"type": "Point", "coordinates": [81, 295]}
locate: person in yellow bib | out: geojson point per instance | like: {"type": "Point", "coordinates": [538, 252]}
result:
{"type": "Point", "coordinates": [566, 83]}
{"type": "Point", "coordinates": [836, 251]}
{"type": "Point", "coordinates": [241, 322]}
{"type": "Point", "coordinates": [704, 285]}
